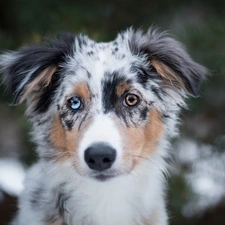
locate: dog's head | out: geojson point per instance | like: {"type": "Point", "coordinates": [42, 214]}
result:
{"type": "Point", "coordinates": [103, 107]}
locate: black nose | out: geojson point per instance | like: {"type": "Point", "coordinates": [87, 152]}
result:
{"type": "Point", "coordinates": [100, 156]}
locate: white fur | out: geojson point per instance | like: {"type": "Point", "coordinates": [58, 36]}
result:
{"type": "Point", "coordinates": [123, 200]}
{"type": "Point", "coordinates": [102, 130]}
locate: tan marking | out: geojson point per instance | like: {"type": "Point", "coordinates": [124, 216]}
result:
{"type": "Point", "coordinates": [42, 81]}
{"type": "Point", "coordinates": [140, 142]}
{"type": "Point", "coordinates": [82, 90]}
{"type": "Point", "coordinates": [57, 223]}
{"type": "Point", "coordinates": [121, 88]}
{"type": "Point", "coordinates": [153, 220]}
{"type": "Point", "coordinates": [168, 75]}
{"type": "Point", "coordinates": [147, 222]}
{"type": "Point", "coordinates": [66, 142]}
{"type": "Point", "coordinates": [153, 130]}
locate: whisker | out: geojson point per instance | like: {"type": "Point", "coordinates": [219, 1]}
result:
{"type": "Point", "coordinates": [53, 164]}
{"type": "Point", "coordinates": [145, 158]}
{"type": "Point", "coordinates": [53, 131]}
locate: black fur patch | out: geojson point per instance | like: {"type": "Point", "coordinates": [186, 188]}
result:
{"type": "Point", "coordinates": [157, 92]}
{"type": "Point", "coordinates": [34, 60]}
{"type": "Point", "coordinates": [48, 94]}
{"type": "Point", "coordinates": [88, 75]}
{"type": "Point", "coordinates": [144, 113]}
{"type": "Point", "coordinates": [68, 117]}
{"type": "Point", "coordinates": [90, 53]}
{"type": "Point", "coordinates": [51, 218]}
{"type": "Point", "coordinates": [69, 124]}
{"type": "Point", "coordinates": [143, 75]}
{"type": "Point", "coordinates": [110, 98]}
{"type": "Point", "coordinates": [61, 199]}
{"type": "Point", "coordinates": [114, 103]}
{"type": "Point", "coordinates": [36, 197]}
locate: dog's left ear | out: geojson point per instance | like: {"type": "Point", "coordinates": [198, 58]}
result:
{"type": "Point", "coordinates": [32, 73]}
{"type": "Point", "coordinates": [169, 60]}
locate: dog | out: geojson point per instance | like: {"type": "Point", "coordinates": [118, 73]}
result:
{"type": "Point", "coordinates": [102, 117]}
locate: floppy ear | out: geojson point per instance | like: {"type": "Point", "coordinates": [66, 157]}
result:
{"type": "Point", "coordinates": [168, 58]}
{"type": "Point", "coordinates": [33, 72]}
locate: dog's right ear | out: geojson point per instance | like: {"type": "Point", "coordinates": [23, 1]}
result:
{"type": "Point", "coordinates": [32, 72]}
{"type": "Point", "coordinates": [169, 60]}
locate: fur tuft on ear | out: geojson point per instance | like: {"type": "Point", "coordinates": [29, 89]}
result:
{"type": "Point", "coordinates": [33, 68]}
{"type": "Point", "coordinates": [169, 59]}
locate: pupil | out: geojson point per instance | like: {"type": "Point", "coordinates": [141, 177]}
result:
{"type": "Point", "coordinates": [131, 99]}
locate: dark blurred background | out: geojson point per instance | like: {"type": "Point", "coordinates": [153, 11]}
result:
{"type": "Point", "coordinates": [196, 187]}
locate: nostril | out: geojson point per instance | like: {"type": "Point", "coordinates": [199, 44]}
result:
{"type": "Point", "coordinates": [107, 160]}
{"type": "Point", "coordinates": [100, 156]}
{"type": "Point", "coordinates": [91, 161]}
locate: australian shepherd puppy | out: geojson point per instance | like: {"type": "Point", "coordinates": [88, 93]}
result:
{"type": "Point", "coordinates": [102, 115]}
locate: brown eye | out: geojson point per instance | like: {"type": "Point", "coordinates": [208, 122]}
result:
{"type": "Point", "coordinates": [131, 100]}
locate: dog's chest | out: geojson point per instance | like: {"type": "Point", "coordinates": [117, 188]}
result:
{"type": "Point", "coordinates": [108, 203]}
{"type": "Point", "coordinates": [103, 207]}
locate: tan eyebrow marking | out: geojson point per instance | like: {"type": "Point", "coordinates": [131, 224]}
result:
{"type": "Point", "coordinates": [82, 90]}
{"type": "Point", "coordinates": [121, 88]}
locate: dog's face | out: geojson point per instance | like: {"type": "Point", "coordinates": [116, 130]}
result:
{"type": "Point", "coordinates": [105, 118]}
{"type": "Point", "coordinates": [103, 107]}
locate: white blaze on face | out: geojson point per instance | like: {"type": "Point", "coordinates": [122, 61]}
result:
{"type": "Point", "coordinates": [103, 130]}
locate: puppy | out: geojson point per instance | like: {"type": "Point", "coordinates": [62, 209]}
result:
{"type": "Point", "coordinates": [102, 116]}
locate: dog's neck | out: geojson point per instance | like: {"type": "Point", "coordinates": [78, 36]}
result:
{"type": "Point", "coordinates": [134, 199]}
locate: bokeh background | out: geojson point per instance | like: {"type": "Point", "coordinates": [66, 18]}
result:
{"type": "Point", "coordinates": [196, 186]}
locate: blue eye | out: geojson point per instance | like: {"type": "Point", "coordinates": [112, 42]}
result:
{"type": "Point", "coordinates": [74, 103]}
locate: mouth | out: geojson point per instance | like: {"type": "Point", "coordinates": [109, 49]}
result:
{"type": "Point", "coordinates": [103, 176]}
